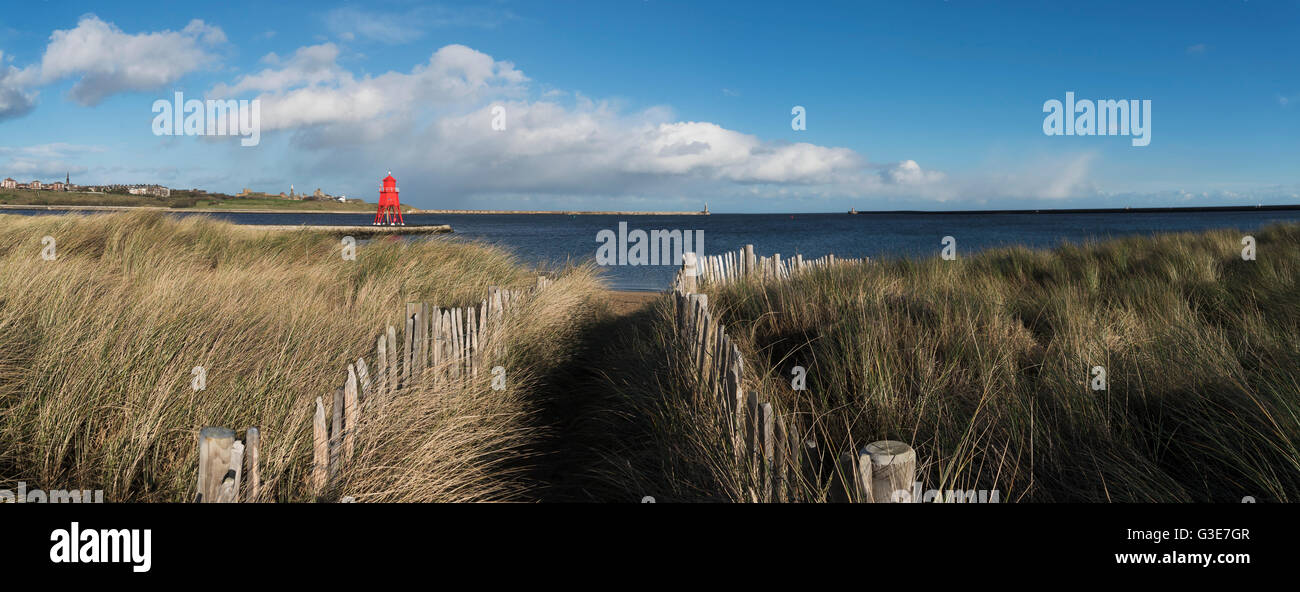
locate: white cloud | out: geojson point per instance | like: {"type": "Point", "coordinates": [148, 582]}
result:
{"type": "Point", "coordinates": [592, 148]}
{"type": "Point", "coordinates": [16, 96]}
{"type": "Point", "coordinates": [908, 172]}
{"type": "Point", "coordinates": [434, 125]}
{"type": "Point", "coordinates": [105, 60]}
{"type": "Point", "coordinates": [311, 88]}
{"type": "Point", "coordinates": [314, 64]}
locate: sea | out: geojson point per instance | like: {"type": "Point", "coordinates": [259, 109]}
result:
{"type": "Point", "coordinates": [552, 240]}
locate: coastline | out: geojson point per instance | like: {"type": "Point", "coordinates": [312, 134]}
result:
{"type": "Point", "coordinates": [78, 208]}
{"type": "Point", "coordinates": [413, 210]}
{"type": "Point", "coordinates": [354, 230]}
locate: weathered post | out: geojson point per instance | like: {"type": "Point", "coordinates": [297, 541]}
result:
{"type": "Point", "coordinates": [392, 370]}
{"type": "Point", "coordinates": [214, 461]}
{"type": "Point", "coordinates": [381, 355]}
{"type": "Point", "coordinates": [364, 392]}
{"type": "Point", "coordinates": [780, 463]}
{"type": "Point", "coordinates": [422, 352]}
{"type": "Point", "coordinates": [768, 465]}
{"type": "Point", "coordinates": [408, 341]}
{"type": "Point", "coordinates": [252, 446]}
{"type": "Point", "coordinates": [320, 449]}
{"type": "Point", "coordinates": [887, 466]}
{"type": "Point", "coordinates": [753, 446]}
{"type": "Point", "coordinates": [739, 403]}
{"type": "Point", "coordinates": [336, 431]}
{"type": "Point", "coordinates": [749, 260]}
{"type": "Point", "coordinates": [690, 264]}
{"type": "Point", "coordinates": [351, 413]}
{"type": "Point", "coordinates": [230, 482]}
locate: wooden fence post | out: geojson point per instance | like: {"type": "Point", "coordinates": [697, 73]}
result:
{"type": "Point", "coordinates": [887, 466]}
{"type": "Point", "coordinates": [351, 414]}
{"type": "Point", "coordinates": [739, 403]}
{"type": "Point", "coordinates": [364, 392]}
{"type": "Point", "coordinates": [252, 451]}
{"type": "Point", "coordinates": [753, 444]}
{"type": "Point", "coordinates": [408, 340]}
{"type": "Point", "coordinates": [381, 357]}
{"type": "Point", "coordinates": [423, 335]}
{"type": "Point", "coordinates": [320, 449]}
{"type": "Point", "coordinates": [689, 267]}
{"type": "Point", "coordinates": [749, 260]}
{"type": "Point", "coordinates": [214, 461]}
{"type": "Point", "coordinates": [393, 356]}
{"type": "Point", "coordinates": [436, 342]}
{"type": "Point", "coordinates": [336, 431]}
{"type": "Point", "coordinates": [230, 483]}
{"type": "Point", "coordinates": [767, 466]}
{"type": "Point", "coordinates": [780, 455]}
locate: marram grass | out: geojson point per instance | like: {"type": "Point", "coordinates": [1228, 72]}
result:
{"type": "Point", "coordinates": [984, 365]}
{"type": "Point", "coordinates": [97, 349]}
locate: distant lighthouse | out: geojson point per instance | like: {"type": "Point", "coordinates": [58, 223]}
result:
{"type": "Point", "coordinates": [390, 209]}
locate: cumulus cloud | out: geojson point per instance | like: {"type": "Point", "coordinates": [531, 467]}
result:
{"type": "Point", "coordinates": [310, 88]}
{"type": "Point", "coordinates": [105, 60]}
{"type": "Point", "coordinates": [592, 148]}
{"type": "Point", "coordinates": [314, 64]}
{"type": "Point", "coordinates": [435, 125]}
{"type": "Point", "coordinates": [909, 173]}
{"type": "Point", "coordinates": [16, 96]}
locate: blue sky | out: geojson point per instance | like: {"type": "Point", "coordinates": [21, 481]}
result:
{"type": "Point", "coordinates": [666, 105]}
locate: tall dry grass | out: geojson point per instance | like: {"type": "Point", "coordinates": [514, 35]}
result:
{"type": "Point", "coordinates": [983, 365]}
{"type": "Point", "coordinates": [97, 348]}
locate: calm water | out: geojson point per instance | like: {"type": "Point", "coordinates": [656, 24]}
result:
{"type": "Point", "coordinates": [550, 240]}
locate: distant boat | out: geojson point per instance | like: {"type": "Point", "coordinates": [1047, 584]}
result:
{"type": "Point", "coordinates": [853, 210]}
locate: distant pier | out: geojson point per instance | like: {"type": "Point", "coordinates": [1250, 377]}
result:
{"type": "Point", "coordinates": [358, 230]}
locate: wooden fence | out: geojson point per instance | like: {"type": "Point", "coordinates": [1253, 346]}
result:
{"type": "Point", "coordinates": [775, 454]}
{"type": "Point", "coordinates": [702, 270]}
{"type": "Point", "coordinates": [442, 345]}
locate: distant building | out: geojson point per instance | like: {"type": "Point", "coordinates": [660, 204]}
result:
{"type": "Point", "coordinates": [34, 184]}
{"type": "Point", "coordinates": [57, 186]}
{"type": "Point", "coordinates": [151, 190]}
{"type": "Point", "coordinates": [8, 184]}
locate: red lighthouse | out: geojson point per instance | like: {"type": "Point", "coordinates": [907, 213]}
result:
{"type": "Point", "coordinates": [390, 210]}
